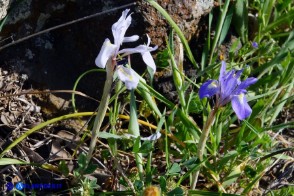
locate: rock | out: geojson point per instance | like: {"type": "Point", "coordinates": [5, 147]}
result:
{"type": "Point", "coordinates": [4, 5]}
{"type": "Point", "coordinates": [185, 13]}
{"type": "Point", "coordinates": [55, 59]}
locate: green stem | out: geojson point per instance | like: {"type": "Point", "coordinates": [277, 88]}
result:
{"type": "Point", "coordinates": [134, 130]}
{"type": "Point", "coordinates": [102, 108]}
{"type": "Point", "coordinates": [202, 142]}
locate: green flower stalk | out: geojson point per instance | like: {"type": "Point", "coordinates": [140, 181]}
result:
{"type": "Point", "coordinates": [202, 142]}
{"type": "Point", "coordinates": [113, 59]}
{"type": "Point", "coordinates": [135, 131]}
{"type": "Point", "coordinates": [102, 108]}
{"type": "Point", "coordinates": [228, 88]}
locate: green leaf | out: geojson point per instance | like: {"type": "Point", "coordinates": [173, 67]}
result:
{"type": "Point", "coordinates": [2, 22]}
{"type": "Point", "coordinates": [250, 171]}
{"type": "Point", "coordinates": [234, 47]}
{"type": "Point", "coordinates": [219, 29]}
{"type": "Point", "coordinates": [283, 157]}
{"type": "Point", "coordinates": [279, 21]}
{"type": "Point", "coordinates": [176, 192]}
{"type": "Point", "coordinates": [73, 101]}
{"type": "Point", "coordinates": [228, 157]}
{"type": "Point", "coordinates": [288, 70]}
{"type": "Point", "coordinates": [90, 169]}
{"type": "Point", "coordinates": [146, 147]}
{"type": "Point", "coordinates": [287, 46]}
{"type": "Point", "coordinates": [241, 19]}
{"type": "Point", "coordinates": [9, 161]}
{"type": "Point", "coordinates": [137, 145]}
{"type": "Point", "coordinates": [106, 135]}
{"type": "Point", "coordinates": [82, 161]}
{"type": "Point", "coordinates": [226, 25]}
{"type": "Point", "coordinates": [162, 59]}
{"type": "Point", "coordinates": [190, 163]}
{"type": "Point", "coordinates": [133, 123]}
{"type": "Point", "coordinates": [42, 125]}
{"type": "Point", "coordinates": [208, 193]}
{"type": "Point", "coordinates": [162, 183]}
{"type": "Point", "coordinates": [63, 168]}
{"type": "Point", "coordinates": [174, 170]}
{"type": "Point", "coordinates": [139, 185]}
{"type": "Point", "coordinates": [195, 105]}
{"type": "Point", "coordinates": [233, 176]}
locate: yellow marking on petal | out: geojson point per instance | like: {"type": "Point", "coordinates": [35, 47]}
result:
{"type": "Point", "coordinates": [212, 85]}
{"type": "Point", "coordinates": [240, 97]}
{"type": "Point", "coordinates": [109, 43]}
{"type": "Point", "coordinates": [125, 73]}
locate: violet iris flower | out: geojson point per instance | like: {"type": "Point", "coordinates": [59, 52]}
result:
{"type": "Point", "coordinates": [112, 52]}
{"type": "Point", "coordinates": [254, 44]}
{"type": "Point", "coordinates": [229, 88]}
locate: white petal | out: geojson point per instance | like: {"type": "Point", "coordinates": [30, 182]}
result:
{"type": "Point", "coordinates": [149, 40]}
{"type": "Point", "coordinates": [138, 49]}
{"type": "Point", "coordinates": [120, 27]}
{"type": "Point", "coordinates": [147, 58]}
{"type": "Point", "coordinates": [106, 52]}
{"type": "Point", "coordinates": [131, 38]}
{"type": "Point", "coordinates": [128, 76]}
{"type": "Point", "coordinates": [152, 137]}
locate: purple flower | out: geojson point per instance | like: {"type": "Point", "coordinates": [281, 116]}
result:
{"type": "Point", "coordinates": [254, 44]}
{"type": "Point", "coordinates": [229, 88]}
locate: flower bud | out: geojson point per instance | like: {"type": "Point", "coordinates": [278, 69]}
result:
{"type": "Point", "coordinates": [152, 191]}
{"type": "Point", "coordinates": [177, 78]}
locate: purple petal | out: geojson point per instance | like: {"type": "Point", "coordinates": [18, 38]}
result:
{"type": "Point", "coordinates": [248, 82]}
{"type": "Point", "coordinates": [208, 89]}
{"type": "Point", "coordinates": [243, 85]}
{"type": "Point", "coordinates": [228, 86]}
{"type": "Point", "coordinates": [238, 73]}
{"type": "Point", "coordinates": [240, 106]}
{"type": "Point", "coordinates": [254, 44]}
{"type": "Point", "coordinates": [222, 70]}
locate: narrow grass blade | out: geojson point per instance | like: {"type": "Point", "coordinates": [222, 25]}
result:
{"type": "Point", "coordinates": [226, 26]}
{"type": "Point", "coordinates": [9, 161]}
{"type": "Point", "coordinates": [219, 29]}
{"type": "Point", "coordinates": [40, 126]}
{"type": "Point", "coordinates": [241, 19]}
{"type": "Point", "coordinates": [208, 193]}
{"type": "Point", "coordinates": [73, 101]}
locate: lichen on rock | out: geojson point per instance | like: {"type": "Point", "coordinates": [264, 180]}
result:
{"type": "Point", "coordinates": [4, 5]}
{"type": "Point", "coordinates": [185, 13]}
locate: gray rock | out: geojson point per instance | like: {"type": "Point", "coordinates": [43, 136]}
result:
{"type": "Point", "coordinates": [57, 58]}
{"type": "Point", "coordinates": [4, 5]}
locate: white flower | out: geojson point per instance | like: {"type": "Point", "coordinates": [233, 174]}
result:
{"type": "Point", "coordinates": [152, 137]}
{"type": "Point", "coordinates": [107, 51]}
{"type": "Point", "coordinates": [145, 52]}
{"type": "Point", "coordinates": [127, 76]}
{"type": "Point", "coordinates": [110, 51]}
